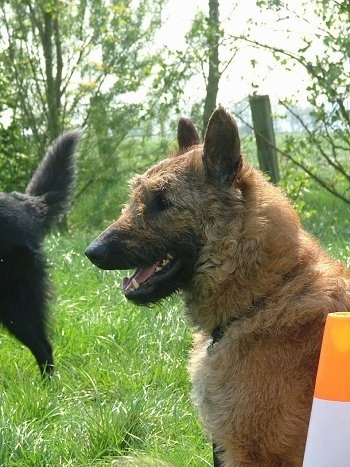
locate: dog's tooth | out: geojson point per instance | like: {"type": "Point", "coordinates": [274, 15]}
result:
{"type": "Point", "coordinates": [135, 284]}
{"type": "Point", "coordinates": [158, 268]}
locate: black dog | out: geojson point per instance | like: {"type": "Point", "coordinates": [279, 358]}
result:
{"type": "Point", "coordinates": [24, 221]}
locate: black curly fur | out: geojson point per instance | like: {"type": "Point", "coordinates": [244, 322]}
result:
{"type": "Point", "coordinates": [24, 221]}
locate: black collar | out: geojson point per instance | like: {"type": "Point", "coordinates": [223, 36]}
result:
{"type": "Point", "coordinates": [219, 332]}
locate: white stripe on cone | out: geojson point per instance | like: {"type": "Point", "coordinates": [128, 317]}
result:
{"type": "Point", "coordinates": [328, 439]}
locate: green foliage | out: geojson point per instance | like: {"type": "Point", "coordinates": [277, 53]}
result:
{"type": "Point", "coordinates": [199, 57]}
{"type": "Point", "coordinates": [105, 165]}
{"type": "Point", "coordinates": [271, 4]}
{"type": "Point", "coordinates": [295, 181]}
{"type": "Point", "coordinates": [61, 56]}
{"type": "Point", "coordinates": [327, 127]}
{"type": "Point", "coordinates": [202, 33]}
{"type": "Point", "coordinates": [15, 165]}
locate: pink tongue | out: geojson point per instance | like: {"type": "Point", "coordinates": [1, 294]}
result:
{"type": "Point", "coordinates": [140, 276]}
{"type": "Point", "coordinates": [143, 274]}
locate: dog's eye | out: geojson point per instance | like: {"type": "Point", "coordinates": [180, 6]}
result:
{"type": "Point", "coordinates": [160, 202]}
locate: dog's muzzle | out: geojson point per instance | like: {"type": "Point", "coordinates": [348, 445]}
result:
{"type": "Point", "coordinates": [97, 252]}
{"type": "Point", "coordinates": [111, 252]}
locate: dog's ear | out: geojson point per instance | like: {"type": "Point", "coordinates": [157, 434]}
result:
{"type": "Point", "coordinates": [187, 134]}
{"type": "Point", "coordinates": [222, 149]}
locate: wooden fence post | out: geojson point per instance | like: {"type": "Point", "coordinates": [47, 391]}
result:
{"type": "Point", "coordinates": [260, 107]}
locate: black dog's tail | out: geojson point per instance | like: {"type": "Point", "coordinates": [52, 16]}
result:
{"type": "Point", "coordinates": [53, 181]}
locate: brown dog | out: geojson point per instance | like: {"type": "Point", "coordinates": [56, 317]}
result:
{"type": "Point", "coordinates": [257, 289]}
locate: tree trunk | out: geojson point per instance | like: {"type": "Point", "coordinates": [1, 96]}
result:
{"type": "Point", "coordinates": [213, 57]}
{"type": "Point", "coordinates": [47, 23]}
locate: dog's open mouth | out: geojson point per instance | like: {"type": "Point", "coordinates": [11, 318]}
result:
{"type": "Point", "coordinates": [148, 277]}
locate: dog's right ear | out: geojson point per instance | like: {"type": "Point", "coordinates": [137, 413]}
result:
{"type": "Point", "coordinates": [222, 149]}
{"type": "Point", "coordinates": [187, 135]}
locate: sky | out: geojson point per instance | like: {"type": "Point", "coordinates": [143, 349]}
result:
{"type": "Point", "coordinates": [267, 76]}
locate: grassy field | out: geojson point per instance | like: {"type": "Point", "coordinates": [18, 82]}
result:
{"type": "Point", "coordinates": [120, 395]}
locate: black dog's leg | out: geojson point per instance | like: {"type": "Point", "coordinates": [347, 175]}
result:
{"type": "Point", "coordinates": [30, 330]}
{"type": "Point", "coordinates": [217, 461]}
{"type": "Point", "coordinates": [38, 344]}
{"type": "Point", "coordinates": [44, 357]}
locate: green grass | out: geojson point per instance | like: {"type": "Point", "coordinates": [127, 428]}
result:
{"type": "Point", "coordinates": [329, 221]}
{"type": "Point", "coordinates": [120, 394]}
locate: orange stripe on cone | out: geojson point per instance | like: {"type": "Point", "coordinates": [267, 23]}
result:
{"type": "Point", "coordinates": [333, 375]}
{"type": "Point", "coordinates": [328, 439]}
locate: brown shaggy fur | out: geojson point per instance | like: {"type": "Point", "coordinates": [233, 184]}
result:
{"type": "Point", "coordinates": [242, 261]}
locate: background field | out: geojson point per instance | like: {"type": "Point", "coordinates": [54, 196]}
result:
{"type": "Point", "coordinates": [120, 395]}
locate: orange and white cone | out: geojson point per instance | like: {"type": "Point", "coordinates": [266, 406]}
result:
{"type": "Point", "coordinates": [328, 439]}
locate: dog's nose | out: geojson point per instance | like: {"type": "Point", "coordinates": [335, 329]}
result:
{"type": "Point", "coordinates": [96, 252]}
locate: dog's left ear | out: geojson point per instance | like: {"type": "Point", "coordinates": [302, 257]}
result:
{"type": "Point", "coordinates": [222, 149]}
{"type": "Point", "coordinates": [187, 135]}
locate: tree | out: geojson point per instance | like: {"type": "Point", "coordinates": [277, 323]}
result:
{"type": "Point", "coordinates": [213, 34]}
{"type": "Point", "coordinates": [57, 55]}
{"type": "Point", "coordinates": [201, 57]}
{"type": "Point", "coordinates": [323, 153]}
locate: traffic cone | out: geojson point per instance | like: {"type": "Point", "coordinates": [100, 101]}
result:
{"type": "Point", "coordinates": [328, 439]}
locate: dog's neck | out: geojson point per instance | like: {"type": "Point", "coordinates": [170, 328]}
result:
{"type": "Point", "coordinates": [219, 332]}
{"type": "Point", "coordinates": [213, 318]}
{"type": "Point", "coordinates": [241, 263]}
